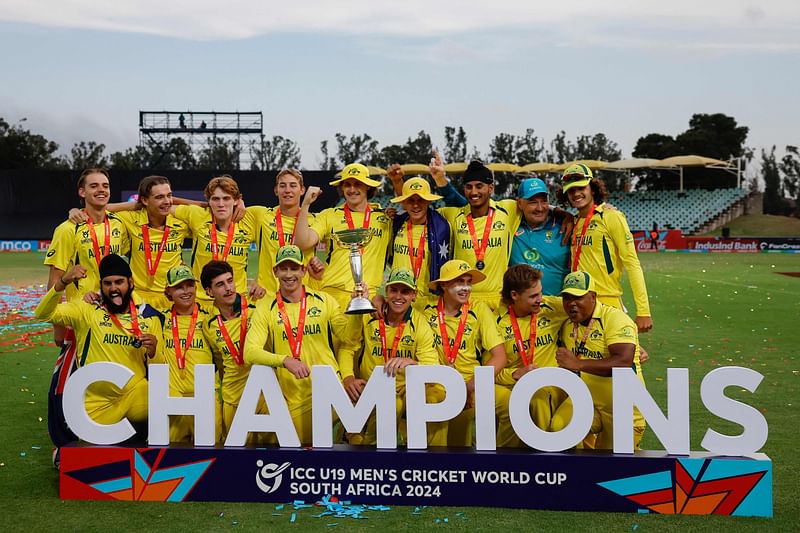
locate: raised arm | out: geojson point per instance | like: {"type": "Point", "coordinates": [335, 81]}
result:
{"type": "Point", "coordinates": [304, 236]}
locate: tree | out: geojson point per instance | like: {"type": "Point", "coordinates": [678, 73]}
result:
{"type": "Point", "coordinates": [88, 155]}
{"type": "Point", "coordinates": [716, 136]}
{"type": "Point", "coordinates": [419, 149]}
{"type": "Point", "coordinates": [502, 149]}
{"type": "Point", "coordinates": [656, 146]}
{"type": "Point", "coordinates": [356, 149]}
{"type": "Point", "coordinates": [790, 167]}
{"type": "Point", "coordinates": [455, 147]}
{"type": "Point", "coordinates": [528, 148]}
{"type": "Point", "coordinates": [327, 163]}
{"type": "Point", "coordinates": [220, 155]}
{"type": "Point", "coordinates": [275, 153]}
{"type": "Point", "coordinates": [174, 155]}
{"type": "Point", "coordinates": [19, 148]}
{"type": "Point", "coordinates": [773, 201]}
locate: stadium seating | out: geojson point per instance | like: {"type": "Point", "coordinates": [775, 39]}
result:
{"type": "Point", "coordinates": [686, 210]}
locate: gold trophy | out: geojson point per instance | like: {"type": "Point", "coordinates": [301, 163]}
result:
{"type": "Point", "coordinates": [356, 239]}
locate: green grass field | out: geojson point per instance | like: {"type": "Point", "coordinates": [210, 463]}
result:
{"type": "Point", "coordinates": [710, 310]}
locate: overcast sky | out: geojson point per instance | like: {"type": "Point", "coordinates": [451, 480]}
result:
{"type": "Point", "coordinates": [82, 69]}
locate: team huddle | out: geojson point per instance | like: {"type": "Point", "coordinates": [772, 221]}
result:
{"type": "Point", "coordinates": [512, 284]}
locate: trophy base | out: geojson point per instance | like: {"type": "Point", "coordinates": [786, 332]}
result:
{"type": "Point", "coordinates": [360, 306]}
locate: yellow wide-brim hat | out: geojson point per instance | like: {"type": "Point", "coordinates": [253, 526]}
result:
{"type": "Point", "coordinates": [419, 186]}
{"type": "Point", "coordinates": [356, 171]}
{"type": "Point", "coordinates": [455, 268]}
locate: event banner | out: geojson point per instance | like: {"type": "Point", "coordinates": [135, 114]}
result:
{"type": "Point", "coordinates": [645, 482]}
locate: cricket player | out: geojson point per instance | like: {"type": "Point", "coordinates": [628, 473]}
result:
{"type": "Point", "coordinates": [184, 344]}
{"type": "Point", "coordinates": [293, 331]}
{"type": "Point", "coordinates": [398, 338]}
{"type": "Point", "coordinates": [421, 237]}
{"type": "Point", "coordinates": [226, 333]}
{"type": "Point", "coordinates": [357, 188]}
{"type": "Point", "coordinates": [463, 329]}
{"type": "Point", "coordinates": [276, 228]}
{"type": "Point", "coordinates": [602, 244]}
{"type": "Point", "coordinates": [116, 330]}
{"type": "Point", "coordinates": [217, 237]}
{"type": "Point", "coordinates": [529, 324]}
{"type": "Point", "coordinates": [597, 338]}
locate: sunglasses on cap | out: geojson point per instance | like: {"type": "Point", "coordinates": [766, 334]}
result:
{"type": "Point", "coordinates": [574, 177]}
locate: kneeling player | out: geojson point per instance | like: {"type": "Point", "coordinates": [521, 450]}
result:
{"type": "Point", "coordinates": [184, 344]}
{"type": "Point", "coordinates": [116, 331]}
{"type": "Point", "coordinates": [529, 324]}
{"type": "Point", "coordinates": [597, 338]}
{"type": "Point", "coordinates": [293, 331]}
{"type": "Point", "coordinates": [462, 330]}
{"type": "Point", "coordinates": [226, 332]}
{"type": "Point", "coordinates": [400, 339]}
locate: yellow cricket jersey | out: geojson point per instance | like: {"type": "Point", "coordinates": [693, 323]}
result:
{"type": "Point", "coordinates": [234, 376]}
{"type": "Point", "coordinates": [416, 342]}
{"type": "Point", "coordinates": [550, 318]}
{"type": "Point", "coordinates": [610, 326]}
{"type": "Point", "coordinates": [607, 248]}
{"type": "Point", "coordinates": [403, 258]}
{"type": "Point", "coordinates": [171, 256]}
{"type": "Point", "coordinates": [498, 249]}
{"type": "Point", "coordinates": [268, 244]}
{"type": "Point", "coordinates": [72, 245]}
{"type": "Point", "coordinates": [181, 381]}
{"type": "Point", "coordinates": [199, 221]}
{"type": "Point", "coordinates": [480, 334]}
{"type": "Point", "coordinates": [101, 340]}
{"type": "Point", "coordinates": [337, 274]}
{"type": "Point", "coordinates": [267, 344]}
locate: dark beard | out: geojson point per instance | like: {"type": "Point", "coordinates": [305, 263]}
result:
{"type": "Point", "coordinates": [118, 309]}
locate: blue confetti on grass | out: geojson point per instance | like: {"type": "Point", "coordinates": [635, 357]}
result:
{"type": "Point", "coordinates": [293, 518]}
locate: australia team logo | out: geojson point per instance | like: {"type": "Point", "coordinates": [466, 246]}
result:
{"type": "Point", "coordinates": [269, 476]}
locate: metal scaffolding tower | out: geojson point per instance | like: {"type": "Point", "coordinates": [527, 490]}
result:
{"type": "Point", "coordinates": [206, 131]}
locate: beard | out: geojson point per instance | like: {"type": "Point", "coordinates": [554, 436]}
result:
{"type": "Point", "coordinates": [121, 308]}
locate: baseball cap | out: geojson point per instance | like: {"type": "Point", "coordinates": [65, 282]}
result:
{"type": "Point", "coordinates": [356, 171]}
{"type": "Point", "coordinates": [577, 283]}
{"type": "Point", "coordinates": [531, 187]}
{"type": "Point", "coordinates": [456, 268]}
{"type": "Point", "coordinates": [178, 274]}
{"type": "Point", "coordinates": [577, 175]}
{"type": "Point", "coordinates": [477, 171]}
{"type": "Point", "coordinates": [290, 252]}
{"type": "Point", "coordinates": [418, 186]}
{"type": "Point", "coordinates": [401, 276]}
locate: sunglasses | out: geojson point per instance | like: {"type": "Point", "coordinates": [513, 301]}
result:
{"type": "Point", "coordinates": [569, 178]}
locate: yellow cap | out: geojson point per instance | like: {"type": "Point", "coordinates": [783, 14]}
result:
{"type": "Point", "coordinates": [290, 252]}
{"type": "Point", "coordinates": [577, 175]}
{"type": "Point", "coordinates": [577, 284]}
{"type": "Point", "coordinates": [356, 171]}
{"type": "Point", "coordinates": [419, 186]}
{"type": "Point", "coordinates": [456, 268]}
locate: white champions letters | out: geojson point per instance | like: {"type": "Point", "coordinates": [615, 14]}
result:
{"type": "Point", "coordinates": [328, 395]}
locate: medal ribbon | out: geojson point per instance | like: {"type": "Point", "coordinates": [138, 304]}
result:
{"type": "Point", "coordinates": [135, 329]}
{"type": "Point", "coordinates": [176, 337]}
{"type": "Point", "coordinates": [578, 243]}
{"type": "Point", "coordinates": [295, 342]}
{"type": "Point", "coordinates": [348, 216]}
{"type": "Point", "coordinates": [480, 251]}
{"type": "Point", "coordinates": [279, 227]}
{"type": "Point", "coordinates": [452, 354]}
{"type": "Point", "coordinates": [148, 255]}
{"type": "Point", "coordinates": [527, 357]}
{"type": "Point", "coordinates": [236, 354]}
{"type": "Point", "coordinates": [398, 334]}
{"type": "Point", "coordinates": [582, 343]}
{"type": "Point", "coordinates": [416, 261]}
{"type": "Point", "coordinates": [228, 241]}
{"type": "Point", "coordinates": [107, 242]}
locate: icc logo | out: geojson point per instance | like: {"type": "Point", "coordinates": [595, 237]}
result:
{"type": "Point", "coordinates": [269, 476]}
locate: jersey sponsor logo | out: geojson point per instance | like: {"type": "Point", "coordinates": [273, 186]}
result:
{"type": "Point", "coordinates": [531, 255]}
{"type": "Point", "coordinates": [51, 253]}
{"type": "Point", "coordinates": [627, 331]}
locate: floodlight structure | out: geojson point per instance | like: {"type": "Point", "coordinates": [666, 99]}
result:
{"type": "Point", "coordinates": [207, 133]}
